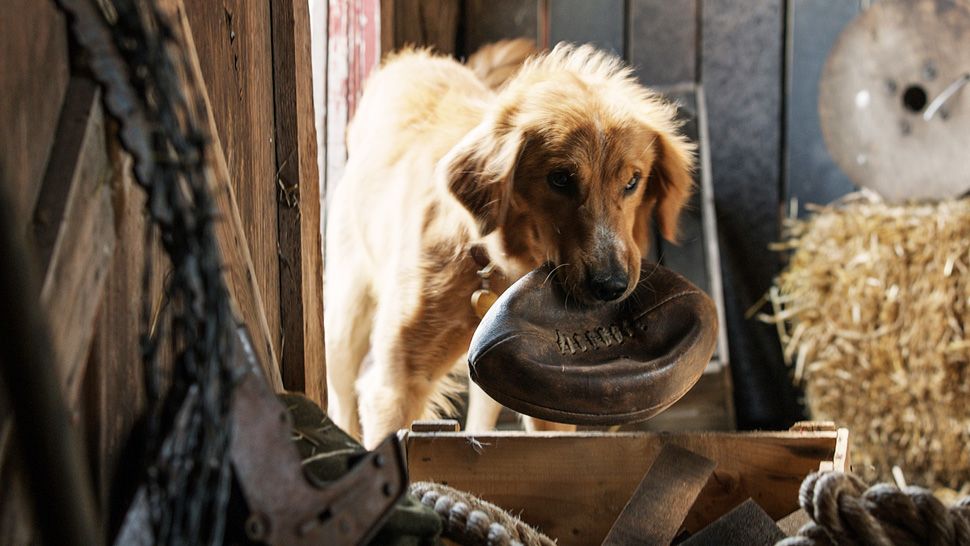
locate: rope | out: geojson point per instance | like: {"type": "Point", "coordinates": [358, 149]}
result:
{"type": "Point", "coordinates": [471, 521]}
{"type": "Point", "coordinates": [845, 513]}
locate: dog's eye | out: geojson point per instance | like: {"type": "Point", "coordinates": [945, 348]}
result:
{"type": "Point", "coordinates": [633, 183]}
{"type": "Point", "coordinates": [561, 180]}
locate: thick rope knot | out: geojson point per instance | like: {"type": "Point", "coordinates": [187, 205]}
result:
{"type": "Point", "coordinates": [470, 521]}
{"type": "Point", "coordinates": [845, 513]}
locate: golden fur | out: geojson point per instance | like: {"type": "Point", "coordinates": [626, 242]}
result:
{"type": "Point", "coordinates": [437, 162]}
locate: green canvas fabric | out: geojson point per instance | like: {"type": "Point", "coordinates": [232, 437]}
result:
{"type": "Point", "coordinates": [328, 452]}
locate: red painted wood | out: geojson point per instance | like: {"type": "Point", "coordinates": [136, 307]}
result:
{"type": "Point", "coordinates": [353, 50]}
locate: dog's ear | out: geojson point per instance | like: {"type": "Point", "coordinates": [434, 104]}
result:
{"type": "Point", "coordinates": [671, 181]}
{"type": "Point", "coordinates": [478, 172]}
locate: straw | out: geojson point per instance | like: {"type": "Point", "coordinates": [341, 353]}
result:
{"type": "Point", "coordinates": [873, 312]}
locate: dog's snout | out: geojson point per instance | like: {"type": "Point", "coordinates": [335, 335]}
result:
{"type": "Point", "coordinates": [610, 286]}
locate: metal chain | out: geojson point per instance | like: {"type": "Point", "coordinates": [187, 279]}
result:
{"type": "Point", "coordinates": [136, 53]}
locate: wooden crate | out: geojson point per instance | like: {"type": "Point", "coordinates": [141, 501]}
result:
{"type": "Point", "coordinates": [573, 485]}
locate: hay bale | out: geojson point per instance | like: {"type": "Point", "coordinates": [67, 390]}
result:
{"type": "Point", "coordinates": [874, 314]}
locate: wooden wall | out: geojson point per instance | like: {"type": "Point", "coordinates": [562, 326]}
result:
{"type": "Point", "coordinates": [34, 69]}
{"type": "Point", "coordinates": [83, 216]}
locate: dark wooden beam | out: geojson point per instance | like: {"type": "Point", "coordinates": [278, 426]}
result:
{"type": "Point", "coordinates": [663, 39]}
{"type": "Point", "coordinates": [811, 176]}
{"type": "Point", "coordinates": [488, 21]}
{"type": "Point", "coordinates": [34, 69]}
{"type": "Point", "coordinates": [298, 181]}
{"type": "Point", "coordinates": [74, 231]}
{"type": "Point", "coordinates": [240, 272]}
{"type": "Point", "coordinates": [432, 23]}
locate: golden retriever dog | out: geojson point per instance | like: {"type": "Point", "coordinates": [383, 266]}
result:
{"type": "Point", "coordinates": [568, 162]}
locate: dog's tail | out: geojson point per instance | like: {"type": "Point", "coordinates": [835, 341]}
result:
{"type": "Point", "coordinates": [497, 62]}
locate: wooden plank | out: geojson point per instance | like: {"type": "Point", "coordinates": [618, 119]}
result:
{"type": "Point", "coordinates": [688, 256]}
{"type": "Point", "coordinates": [436, 425]}
{"type": "Point", "coordinates": [746, 525]}
{"type": "Point", "coordinates": [487, 21]}
{"type": "Point", "coordinates": [74, 232]}
{"type": "Point", "coordinates": [791, 523]}
{"type": "Point", "coordinates": [236, 58]}
{"type": "Point", "coordinates": [712, 246]}
{"type": "Point", "coordinates": [663, 40]}
{"type": "Point", "coordinates": [697, 254]}
{"type": "Point", "coordinates": [741, 58]}
{"type": "Point", "coordinates": [431, 23]}
{"type": "Point", "coordinates": [353, 50]}
{"type": "Point", "coordinates": [573, 486]}
{"type": "Point", "coordinates": [300, 246]}
{"type": "Point", "coordinates": [655, 513]}
{"type": "Point", "coordinates": [34, 68]}
{"type": "Point", "coordinates": [811, 174]}
{"type": "Point", "coordinates": [803, 426]}
{"type": "Point", "coordinates": [581, 21]}
{"type": "Point", "coordinates": [240, 271]}
{"type": "Point", "coordinates": [114, 396]}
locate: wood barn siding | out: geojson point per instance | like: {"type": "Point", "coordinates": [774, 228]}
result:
{"type": "Point", "coordinates": [83, 217]}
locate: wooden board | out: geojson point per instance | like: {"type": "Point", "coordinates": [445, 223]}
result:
{"type": "Point", "coordinates": [114, 396]}
{"type": "Point", "coordinates": [573, 486]}
{"type": "Point", "coordinates": [663, 40]}
{"type": "Point", "coordinates": [487, 21]}
{"type": "Point", "coordinates": [298, 181]}
{"type": "Point", "coordinates": [432, 23]}
{"type": "Point", "coordinates": [688, 256]}
{"type": "Point", "coordinates": [240, 271]}
{"type": "Point", "coordinates": [34, 71]}
{"type": "Point", "coordinates": [581, 21]}
{"type": "Point", "coordinates": [74, 231]}
{"type": "Point", "coordinates": [791, 523]}
{"type": "Point", "coordinates": [655, 513]}
{"type": "Point", "coordinates": [741, 67]}
{"type": "Point", "coordinates": [235, 55]}
{"type": "Point", "coordinates": [746, 525]}
{"type": "Point", "coordinates": [811, 176]}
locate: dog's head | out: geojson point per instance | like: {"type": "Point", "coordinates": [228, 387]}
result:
{"type": "Point", "coordinates": [570, 166]}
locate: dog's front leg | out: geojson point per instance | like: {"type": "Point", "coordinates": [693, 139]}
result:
{"type": "Point", "coordinates": [533, 424]}
{"type": "Point", "coordinates": [389, 401]}
{"type": "Point", "coordinates": [483, 412]}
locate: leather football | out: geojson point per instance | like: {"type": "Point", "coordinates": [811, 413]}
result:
{"type": "Point", "coordinates": [544, 355]}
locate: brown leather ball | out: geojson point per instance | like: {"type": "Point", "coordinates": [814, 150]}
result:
{"type": "Point", "coordinates": [543, 355]}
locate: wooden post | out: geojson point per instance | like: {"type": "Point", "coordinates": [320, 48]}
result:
{"type": "Point", "coordinates": [300, 246]}
{"type": "Point", "coordinates": [240, 272]}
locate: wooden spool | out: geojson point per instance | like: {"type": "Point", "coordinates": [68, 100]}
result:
{"type": "Point", "coordinates": [876, 93]}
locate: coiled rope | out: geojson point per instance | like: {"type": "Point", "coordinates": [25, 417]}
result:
{"type": "Point", "coordinates": [845, 513]}
{"type": "Point", "coordinates": [471, 521]}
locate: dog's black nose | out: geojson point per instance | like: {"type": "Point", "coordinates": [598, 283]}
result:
{"type": "Point", "coordinates": [610, 287]}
